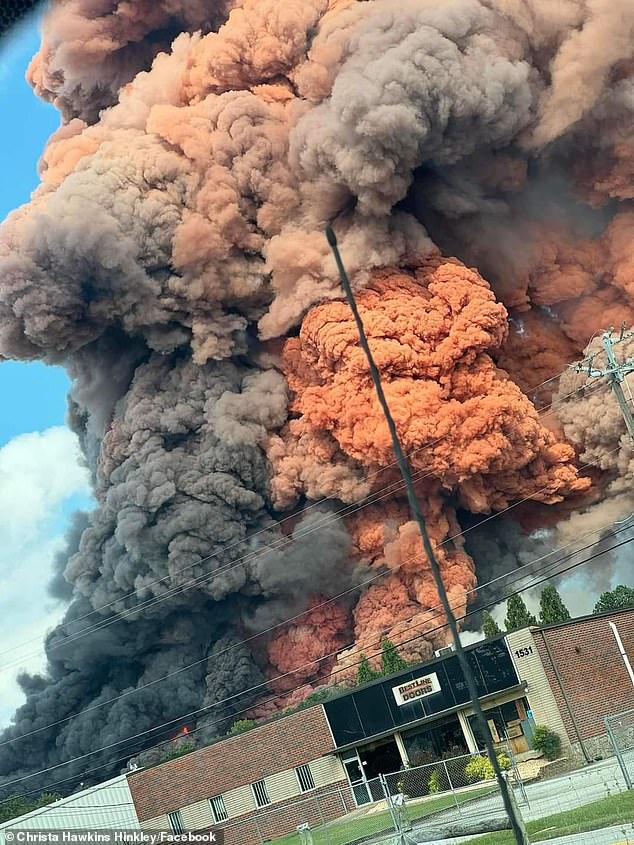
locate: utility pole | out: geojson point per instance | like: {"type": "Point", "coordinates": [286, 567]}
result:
{"type": "Point", "coordinates": [616, 372]}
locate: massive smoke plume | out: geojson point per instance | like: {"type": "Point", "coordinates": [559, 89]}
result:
{"type": "Point", "coordinates": [173, 260]}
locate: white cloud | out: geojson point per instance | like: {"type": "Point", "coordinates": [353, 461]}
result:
{"type": "Point", "coordinates": [40, 473]}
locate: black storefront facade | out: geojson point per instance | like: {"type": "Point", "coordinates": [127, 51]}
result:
{"type": "Point", "coordinates": [414, 716]}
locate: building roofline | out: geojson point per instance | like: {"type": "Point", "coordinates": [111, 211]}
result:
{"type": "Point", "coordinates": [585, 618]}
{"type": "Point", "coordinates": [344, 692]}
{"type": "Point", "coordinates": [74, 796]}
{"type": "Point", "coordinates": [413, 668]}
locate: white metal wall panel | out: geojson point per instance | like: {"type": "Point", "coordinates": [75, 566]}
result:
{"type": "Point", "coordinates": [197, 816]}
{"type": "Point", "coordinates": [327, 770]}
{"type": "Point", "coordinates": [282, 786]}
{"type": "Point", "coordinates": [158, 823]}
{"type": "Point", "coordinates": [239, 801]}
{"type": "Point", "coordinates": [107, 805]}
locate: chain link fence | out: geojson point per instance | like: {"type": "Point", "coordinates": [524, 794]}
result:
{"type": "Point", "coordinates": [620, 728]}
{"type": "Point", "coordinates": [459, 793]}
{"type": "Point", "coordinates": [446, 798]}
{"type": "Point", "coordinates": [327, 817]}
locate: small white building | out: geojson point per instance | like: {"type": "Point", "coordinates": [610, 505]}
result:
{"type": "Point", "coordinates": [108, 805]}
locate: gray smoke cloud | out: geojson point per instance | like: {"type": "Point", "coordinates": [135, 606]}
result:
{"type": "Point", "coordinates": [315, 559]}
{"type": "Point", "coordinates": [59, 587]}
{"type": "Point", "coordinates": [180, 222]}
{"type": "Point", "coordinates": [92, 48]}
{"type": "Point", "coordinates": [395, 102]}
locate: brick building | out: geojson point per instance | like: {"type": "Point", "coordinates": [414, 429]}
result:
{"type": "Point", "coordinates": [271, 764]}
{"type": "Point", "coordinates": [568, 677]}
{"type": "Point", "coordinates": [577, 676]}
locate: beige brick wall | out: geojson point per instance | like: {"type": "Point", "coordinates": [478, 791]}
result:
{"type": "Point", "coordinates": [540, 696]}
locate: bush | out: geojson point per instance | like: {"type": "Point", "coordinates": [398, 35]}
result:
{"type": "Point", "coordinates": [240, 726]}
{"type": "Point", "coordinates": [547, 741]}
{"type": "Point", "coordinates": [317, 696]}
{"type": "Point", "coordinates": [480, 768]}
{"type": "Point", "coordinates": [434, 782]}
{"type": "Point", "coordinates": [178, 751]}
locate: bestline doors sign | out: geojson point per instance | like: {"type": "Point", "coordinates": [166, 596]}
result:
{"type": "Point", "coordinates": [418, 688]}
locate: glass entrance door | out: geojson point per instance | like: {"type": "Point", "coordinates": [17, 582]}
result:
{"type": "Point", "coordinates": [356, 776]}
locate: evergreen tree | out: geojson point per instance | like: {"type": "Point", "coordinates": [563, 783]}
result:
{"type": "Point", "coordinates": [551, 607]}
{"type": "Point", "coordinates": [391, 660]}
{"type": "Point", "coordinates": [517, 615]}
{"type": "Point", "coordinates": [365, 673]}
{"type": "Point", "coordinates": [489, 625]}
{"type": "Point", "coordinates": [619, 598]}
{"type": "Point", "coordinates": [19, 805]}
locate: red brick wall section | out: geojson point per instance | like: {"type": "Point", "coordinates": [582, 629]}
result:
{"type": "Point", "coordinates": [591, 669]}
{"type": "Point", "coordinates": [284, 744]}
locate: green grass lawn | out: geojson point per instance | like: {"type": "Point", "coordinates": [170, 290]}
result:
{"type": "Point", "coordinates": [607, 811]}
{"type": "Point", "coordinates": [344, 831]}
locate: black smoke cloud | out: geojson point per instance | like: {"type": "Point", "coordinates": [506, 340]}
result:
{"type": "Point", "coordinates": [181, 212]}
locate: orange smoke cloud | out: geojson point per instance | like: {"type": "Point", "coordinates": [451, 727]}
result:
{"type": "Point", "coordinates": [469, 430]}
{"type": "Point", "coordinates": [461, 419]}
{"type": "Point", "coordinates": [299, 648]}
{"type": "Point", "coordinates": [536, 348]}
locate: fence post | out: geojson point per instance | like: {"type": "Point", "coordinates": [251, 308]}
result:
{"type": "Point", "coordinates": [516, 772]}
{"type": "Point", "coordinates": [617, 751]}
{"type": "Point", "coordinates": [518, 815]}
{"type": "Point", "coordinates": [321, 819]}
{"type": "Point", "coordinates": [388, 800]}
{"type": "Point", "coordinates": [343, 802]}
{"type": "Point", "coordinates": [453, 791]}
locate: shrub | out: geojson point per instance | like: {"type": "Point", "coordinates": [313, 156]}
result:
{"type": "Point", "coordinates": [480, 768]}
{"type": "Point", "coordinates": [365, 673]}
{"type": "Point", "coordinates": [178, 751]}
{"type": "Point", "coordinates": [546, 741]}
{"type": "Point", "coordinates": [240, 726]}
{"type": "Point", "coordinates": [434, 782]}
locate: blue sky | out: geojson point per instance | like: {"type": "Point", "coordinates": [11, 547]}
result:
{"type": "Point", "coordinates": [38, 392]}
{"type": "Point", "coordinates": [41, 477]}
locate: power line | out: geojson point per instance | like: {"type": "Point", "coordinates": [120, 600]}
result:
{"type": "Point", "coordinates": [518, 829]}
{"type": "Point", "coordinates": [616, 372]}
{"type": "Point", "coordinates": [279, 544]}
{"type": "Point", "coordinates": [285, 622]}
{"type": "Point", "coordinates": [128, 754]}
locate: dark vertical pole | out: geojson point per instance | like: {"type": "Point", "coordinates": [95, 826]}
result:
{"type": "Point", "coordinates": [519, 834]}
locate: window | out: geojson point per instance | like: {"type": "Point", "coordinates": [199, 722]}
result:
{"type": "Point", "coordinates": [260, 794]}
{"type": "Point", "coordinates": [176, 822]}
{"type": "Point", "coordinates": [218, 809]}
{"type": "Point", "coordinates": [305, 778]}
